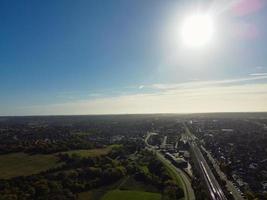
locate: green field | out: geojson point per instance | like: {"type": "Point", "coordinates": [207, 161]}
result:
{"type": "Point", "coordinates": [98, 193]}
{"type": "Point", "coordinates": [130, 183]}
{"type": "Point", "coordinates": [130, 195]}
{"type": "Point", "coordinates": [86, 196]}
{"type": "Point", "coordinates": [92, 152]}
{"type": "Point", "coordinates": [21, 164]}
{"type": "Point", "coordinates": [125, 185]}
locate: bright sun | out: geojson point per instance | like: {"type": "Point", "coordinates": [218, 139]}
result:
{"type": "Point", "coordinates": [197, 30]}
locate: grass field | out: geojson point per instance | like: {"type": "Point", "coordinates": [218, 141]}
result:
{"type": "Point", "coordinates": [97, 194]}
{"type": "Point", "coordinates": [86, 196]}
{"type": "Point", "coordinates": [21, 164]}
{"type": "Point", "coordinates": [130, 183]}
{"type": "Point", "coordinates": [130, 195]}
{"type": "Point", "coordinates": [92, 152]}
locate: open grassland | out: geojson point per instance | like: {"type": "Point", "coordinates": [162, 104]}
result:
{"type": "Point", "coordinates": [97, 194]}
{"type": "Point", "coordinates": [130, 195]}
{"type": "Point", "coordinates": [86, 195]}
{"type": "Point", "coordinates": [85, 153]}
{"type": "Point", "coordinates": [21, 164]}
{"type": "Point", "coordinates": [130, 183]}
{"type": "Point", "coordinates": [126, 184]}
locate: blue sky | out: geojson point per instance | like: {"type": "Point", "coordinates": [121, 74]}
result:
{"type": "Point", "coordinates": [97, 57]}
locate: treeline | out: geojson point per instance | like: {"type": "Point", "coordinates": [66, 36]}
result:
{"type": "Point", "coordinates": [47, 146]}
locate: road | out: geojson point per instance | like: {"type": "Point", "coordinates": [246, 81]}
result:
{"type": "Point", "coordinates": [184, 179]}
{"type": "Point", "coordinates": [215, 191]}
{"type": "Point", "coordinates": [163, 145]}
{"type": "Point", "coordinates": [147, 138]}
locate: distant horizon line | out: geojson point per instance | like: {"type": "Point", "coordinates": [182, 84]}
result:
{"type": "Point", "coordinates": [121, 114]}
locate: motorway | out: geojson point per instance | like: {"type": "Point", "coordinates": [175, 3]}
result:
{"type": "Point", "coordinates": [215, 191]}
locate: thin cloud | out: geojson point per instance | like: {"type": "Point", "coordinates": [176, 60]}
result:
{"type": "Point", "coordinates": [216, 98]}
{"type": "Point", "coordinates": [207, 83]}
{"type": "Point", "coordinates": [259, 74]}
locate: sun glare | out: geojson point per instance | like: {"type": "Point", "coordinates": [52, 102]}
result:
{"type": "Point", "coordinates": [197, 30]}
